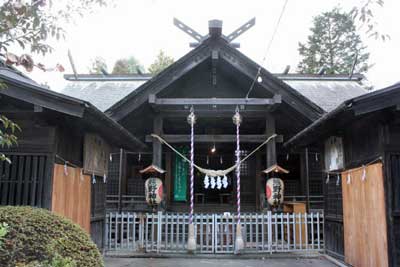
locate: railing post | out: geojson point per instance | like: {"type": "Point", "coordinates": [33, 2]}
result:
{"type": "Point", "coordinates": [159, 228]}
{"type": "Point", "coordinates": [269, 214]}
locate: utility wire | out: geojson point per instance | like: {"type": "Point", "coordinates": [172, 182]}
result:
{"type": "Point", "coordinates": [268, 48]}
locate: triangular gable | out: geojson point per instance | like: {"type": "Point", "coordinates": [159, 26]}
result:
{"type": "Point", "coordinates": [232, 56]}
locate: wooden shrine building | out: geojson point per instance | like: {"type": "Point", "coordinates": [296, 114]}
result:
{"type": "Point", "coordinates": [214, 78]}
{"type": "Point", "coordinates": [62, 152]}
{"type": "Point", "coordinates": [361, 146]}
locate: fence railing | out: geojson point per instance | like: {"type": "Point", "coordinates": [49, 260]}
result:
{"type": "Point", "coordinates": [214, 233]}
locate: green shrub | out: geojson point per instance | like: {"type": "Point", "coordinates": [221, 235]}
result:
{"type": "Point", "coordinates": [36, 237]}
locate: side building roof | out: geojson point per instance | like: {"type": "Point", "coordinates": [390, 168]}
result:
{"type": "Point", "coordinates": [348, 110]}
{"type": "Point", "coordinates": [25, 89]}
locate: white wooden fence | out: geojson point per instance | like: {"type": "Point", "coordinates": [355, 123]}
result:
{"type": "Point", "coordinates": [215, 233]}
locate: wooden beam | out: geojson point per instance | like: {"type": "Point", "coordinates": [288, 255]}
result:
{"type": "Point", "coordinates": [249, 112]}
{"type": "Point", "coordinates": [121, 168]}
{"type": "Point", "coordinates": [307, 176]}
{"type": "Point", "coordinates": [271, 146]}
{"type": "Point", "coordinates": [258, 176]}
{"type": "Point", "coordinates": [168, 178]}
{"type": "Point", "coordinates": [214, 64]}
{"type": "Point", "coordinates": [218, 138]}
{"type": "Point", "coordinates": [214, 101]}
{"type": "Point", "coordinates": [157, 147]}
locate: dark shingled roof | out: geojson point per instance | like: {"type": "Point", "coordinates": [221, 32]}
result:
{"type": "Point", "coordinates": [326, 91]}
{"type": "Point", "coordinates": [327, 94]}
{"type": "Point", "coordinates": [101, 91]}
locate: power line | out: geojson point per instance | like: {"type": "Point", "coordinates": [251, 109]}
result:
{"type": "Point", "coordinates": [268, 47]}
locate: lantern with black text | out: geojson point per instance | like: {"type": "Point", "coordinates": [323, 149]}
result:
{"type": "Point", "coordinates": [274, 187]}
{"type": "Point", "coordinates": [153, 185]}
{"type": "Point", "coordinates": [153, 191]}
{"type": "Point", "coordinates": [274, 191]}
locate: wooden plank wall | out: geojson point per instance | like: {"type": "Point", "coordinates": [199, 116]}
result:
{"type": "Point", "coordinates": [71, 195]}
{"type": "Point", "coordinates": [364, 216]}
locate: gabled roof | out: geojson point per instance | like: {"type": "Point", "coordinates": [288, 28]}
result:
{"type": "Point", "coordinates": [23, 88]}
{"type": "Point", "coordinates": [103, 91]}
{"type": "Point", "coordinates": [371, 102]}
{"type": "Point", "coordinates": [227, 53]}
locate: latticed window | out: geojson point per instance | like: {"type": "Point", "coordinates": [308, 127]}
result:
{"type": "Point", "coordinates": [245, 166]}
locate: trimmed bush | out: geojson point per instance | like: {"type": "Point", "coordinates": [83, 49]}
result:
{"type": "Point", "coordinates": [37, 237]}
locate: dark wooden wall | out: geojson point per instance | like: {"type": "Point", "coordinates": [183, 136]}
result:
{"type": "Point", "coordinates": [29, 179]}
{"type": "Point", "coordinates": [365, 139]}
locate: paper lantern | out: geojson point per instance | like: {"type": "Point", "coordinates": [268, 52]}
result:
{"type": "Point", "coordinates": [153, 191]}
{"type": "Point", "coordinates": [274, 191]}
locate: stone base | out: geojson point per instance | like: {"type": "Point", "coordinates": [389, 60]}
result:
{"type": "Point", "coordinates": [191, 245]}
{"type": "Point", "coordinates": [239, 243]}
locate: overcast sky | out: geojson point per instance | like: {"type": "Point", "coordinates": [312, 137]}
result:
{"type": "Point", "coordinates": [142, 28]}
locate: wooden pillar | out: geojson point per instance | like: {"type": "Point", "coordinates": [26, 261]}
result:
{"type": "Point", "coordinates": [271, 145]}
{"type": "Point", "coordinates": [259, 181]}
{"type": "Point", "coordinates": [307, 174]}
{"type": "Point", "coordinates": [157, 147]}
{"type": "Point", "coordinates": [168, 178]}
{"type": "Point", "coordinates": [121, 171]}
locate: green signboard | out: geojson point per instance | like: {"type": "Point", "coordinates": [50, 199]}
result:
{"type": "Point", "coordinates": [180, 176]}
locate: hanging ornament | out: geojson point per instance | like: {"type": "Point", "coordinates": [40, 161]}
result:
{"type": "Point", "coordinates": [287, 156]}
{"type": "Point", "coordinates": [139, 157]}
{"type": "Point", "coordinates": [327, 178]}
{"type": "Point", "coordinates": [316, 157]}
{"type": "Point", "coordinates": [364, 174]}
{"type": "Point", "coordinates": [212, 183]}
{"type": "Point", "coordinates": [237, 118]}
{"type": "Point", "coordinates": [206, 182]}
{"type": "Point", "coordinates": [219, 183]}
{"type": "Point", "coordinates": [220, 160]}
{"type": "Point", "coordinates": [104, 178]}
{"type": "Point", "coordinates": [225, 182]}
{"type": "Point", "coordinates": [191, 118]}
{"type": "Point", "coordinates": [65, 169]}
{"type": "Point", "coordinates": [93, 179]}
{"type": "Point", "coordinates": [338, 180]}
{"type": "Point", "coordinates": [208, 160]}
{"type": "Point", "coordinates": [348, 178]}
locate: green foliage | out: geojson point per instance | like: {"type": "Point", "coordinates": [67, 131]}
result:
{"type": "Point", "coordinates": [333, 44]}
{"type": "Point", "coordinates": [364, 14]}
{"type": "Point", "coordinates": [127, 66]}
{"type": "Point", "coordinates": [7, 135]}
{"type": "Point", "coordinates": [3, 232]}
{"type": "Point", "coordinates": [162, 61]}
{"type": "Point", "coordinates": [98, 64]}
{"type": "Point", "coordinates": [37, 237]}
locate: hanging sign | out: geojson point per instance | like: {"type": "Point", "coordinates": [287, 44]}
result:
{"type": "Point", "coordinates": [180, 176]}
{"type": "Point", "coordinates": [334, 159]}
{"type": "Point", "coordinates": [96, 155]}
